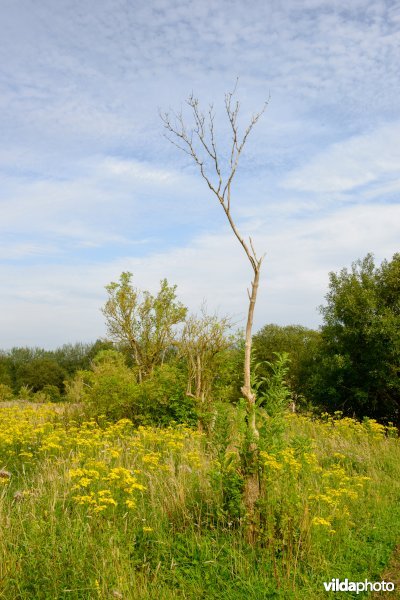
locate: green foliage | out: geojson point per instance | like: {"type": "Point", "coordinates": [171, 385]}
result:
{"type": "Point", "coordinates": [74, 357]}
{"type": "Point", "coordinates": [5, 370]}
{"type": "Point", "coordinates": [300, 343]}
{"type": "Point", "coordinates": [229, 376]}
{"type": "Point", "coordinates": [111, 389]}
{"type": "Point", "coordinates": [25, 393]}
{"type": "Point", "coordinates": [273, 399]}
{"type": "Point", "coordinates": [142, 322]}
{"type": "Point", "coordinates": [272, 390]}
{"type": "Point", "coordinates": [6, 393]}
{"type": "Point", "coordinates": [162, 397]}
{"type": "Point", "coordinates": [39, 373]}
{"type": "Point", "coordinates": [232, 483]}
{"type": "Point", "coordinates": [52, 393]}
{"type": "Point", "coordinates": [18, 365]}
{"type": "Point", "coordinates": [203, 345]}
{"type": "Point", "coordinates": [16, 360]}
{"type": "Point", "coordinates": [359, 360]}
{"type": "Point", "coordinates": [226, 441]}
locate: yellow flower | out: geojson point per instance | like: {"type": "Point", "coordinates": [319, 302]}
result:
{"type": "Point", "coordinates": [108, 501]}
{"type": "Point", "coordinates": [270, 461]}
{"type": "Point", "coordinates": [338, 456]}
{"type": "Point", "coordinates": [321, 521]}
{"type": "Point", "coordinates": [89, 499]}
{"type": "Point", "coordinates": [26, 454]}
{"type": "Point", "coordinates": [84, 481]}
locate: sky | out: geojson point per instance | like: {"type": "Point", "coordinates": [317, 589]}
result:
{"type": "Point", "coordinates": [90, 187]}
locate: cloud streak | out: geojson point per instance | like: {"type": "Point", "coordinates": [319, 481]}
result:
{"type": "Point", "coordinates": [358, 161]}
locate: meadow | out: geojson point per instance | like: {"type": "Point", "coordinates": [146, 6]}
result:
{"type": "Point", "coordinates": [95, 509]}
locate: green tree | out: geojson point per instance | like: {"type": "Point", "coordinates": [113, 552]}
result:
{"type": "Point", "coordinates": [73, 357]}
{"type": "Point", "coordinates": [6, 393]}
{"type": "Point", "coordinates": [14, 363]}
{"type": "Point", "coordinates": [17, 359]}
{"type": "Point", "coordinates": [359, 363]}
{"type": "Point", "coordinates": [142, 322]}
{"type": "Point", "coordinates": [162, 398]}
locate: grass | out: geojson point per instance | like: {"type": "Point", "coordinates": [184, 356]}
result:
{"type": "Point", "coordinates": [98, 510]}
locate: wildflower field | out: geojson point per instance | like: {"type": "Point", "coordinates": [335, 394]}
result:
{"type": "Point", "coordinates": [92, 509]}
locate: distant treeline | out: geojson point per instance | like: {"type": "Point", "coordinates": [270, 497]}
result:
{"type": "Point", "coordinates": [37, 368]}
{"type": "Point", "coordinates": [352, 364]}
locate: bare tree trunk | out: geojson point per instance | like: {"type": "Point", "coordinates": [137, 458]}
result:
{"type": "Point", "coordinates": [250, 496]}
{"type": "Point", "coordinates": [252, 483]}
{"type": "Point", "coordinates": [246, 389]}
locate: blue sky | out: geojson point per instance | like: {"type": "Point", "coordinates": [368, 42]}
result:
{"type": "Point", "coordinates": [90, 187]}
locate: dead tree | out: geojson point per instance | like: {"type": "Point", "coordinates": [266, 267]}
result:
{"type": "Point", "coordinates": [202, 343]}
{"type": "Point", "coordinates": [199, 142]}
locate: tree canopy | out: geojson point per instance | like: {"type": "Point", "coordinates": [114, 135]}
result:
{"type": "Point", "coordinates": [143, 322]}
{"type": "Point", "coordinates": [360, 352]}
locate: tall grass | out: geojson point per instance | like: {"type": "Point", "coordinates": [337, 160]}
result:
{"type": "Point", "coordinates": [94, 510]}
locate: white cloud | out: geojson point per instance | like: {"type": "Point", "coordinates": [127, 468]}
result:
{"type": "Point", "coordinates": [53, 304]}
{"type": "Point", "coordinates": [355, 162]}
{"type": "Point", "coordinates": [106, 203]}
{"type": "Point", "coordinates": [133, 170]}
{"type": "Point", "coordinates": [19, 250]}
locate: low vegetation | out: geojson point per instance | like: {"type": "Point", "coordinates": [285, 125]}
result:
{"type": "Point", "coordinates": [99, 509]}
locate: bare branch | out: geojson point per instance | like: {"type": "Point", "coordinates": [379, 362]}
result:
{"type": "Point", "coordinates": [252, 248]}
{"type": "Point", "coordinates": [200, 129]}
{"type": "Point", "coordinates": [177, 145]}
{"type": "Point", "coordinates": [237, 147]}
{"type": "Point", "coordinates": [211, 117]}
{"type": "Point", "coordinates": [232, 116]}
{"type": "Point", "coordinates": [253, 121]}
{"type": "Point", "coordinates": [179, 130]}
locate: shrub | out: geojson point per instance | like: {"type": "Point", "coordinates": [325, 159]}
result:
{"type": "Point", "coordinates": [6, 393]}
{"type": "Point", "coordinates": [52, 392]}
{"type": "Point", "coordinates": [109, 389]}
{"type": "Point", "coordinates": [162, 397]}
